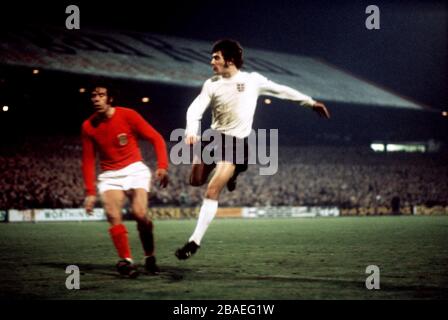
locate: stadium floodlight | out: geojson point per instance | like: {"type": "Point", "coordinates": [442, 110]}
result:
{"type": "Point", "coordinates": [5, 108]}
{"type": "Point", "coordinates": [392, 147]}
{"type": "Point", "coordinates": [378, 147]}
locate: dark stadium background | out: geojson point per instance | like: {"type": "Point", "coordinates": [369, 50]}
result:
{"type": "Point", "coordinates": [253, 259]}
{"type": "Point", "coordinates": [408, 55]}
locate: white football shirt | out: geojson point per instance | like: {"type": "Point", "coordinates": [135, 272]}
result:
{"type": "Point", "coordinates": [233, 101]}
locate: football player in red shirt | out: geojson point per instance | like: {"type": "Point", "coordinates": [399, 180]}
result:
{"type": "Point", "coordinates": [113, 132]}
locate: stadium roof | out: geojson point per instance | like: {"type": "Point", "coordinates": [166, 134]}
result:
{"type": "Point", "coordinates": [177, 61]}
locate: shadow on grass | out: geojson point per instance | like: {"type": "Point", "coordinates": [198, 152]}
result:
{"type": "Point", "coordinates": [172, 274]}
{"type": "Point", "coordinates": [418, 290]}
{"type": "Point", "coordinates": [175, 274]}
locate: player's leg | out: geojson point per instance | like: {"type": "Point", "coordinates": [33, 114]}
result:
{"type": "Point", "coordinates": [224, 171]}
{"type": "Point", "coordinates": [200, 170]}
{"type": "Point", "coordinates": [199, 173]}
{"type": "Point", "coordinates": [139, 205]}
{"type": "Point", "coordinates": [241, 154]}
{"type": "Point", "coordinates": [231, 184]}
{"type": "Point", "coordinates": [113, 201]}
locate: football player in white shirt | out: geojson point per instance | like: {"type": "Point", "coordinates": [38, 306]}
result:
{"type": "Point", "coordinates": [232, 95]}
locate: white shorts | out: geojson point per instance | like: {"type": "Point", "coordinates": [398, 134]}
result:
{"type": "Point", "coordinates": [134, 176]}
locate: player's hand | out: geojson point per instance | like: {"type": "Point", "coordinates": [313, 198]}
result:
{"type": "Point", "coordinates": [191, 139]}
{"type": "Point", "coordinates": [321, 110]}
{"type": "Point", "coordinates": [89, 204]}
{"type": "Point", "coordinates": [162, 177]}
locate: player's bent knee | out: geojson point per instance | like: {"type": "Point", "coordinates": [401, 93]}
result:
{"type": "Point", "coordinates": [112, 212]}
{"type": "Point", "coordinates": [212, 192]}
{"type": "Point", "coordinates": [114, 219]}
{"type": "Point", "coordinates": [139, 214]}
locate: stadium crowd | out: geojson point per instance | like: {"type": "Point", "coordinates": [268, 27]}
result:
{"type": "Point", "coordinates": [46, 173]}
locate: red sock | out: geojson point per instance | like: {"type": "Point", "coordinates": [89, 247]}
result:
{"type": "Point", "coordinates": [119, 235]}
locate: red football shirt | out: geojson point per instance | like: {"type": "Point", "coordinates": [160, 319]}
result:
{"type": "Point", "coordinates": [116, 140]}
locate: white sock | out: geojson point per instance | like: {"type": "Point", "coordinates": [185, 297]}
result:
{"type": "Point", "coordinates": [206, 215]}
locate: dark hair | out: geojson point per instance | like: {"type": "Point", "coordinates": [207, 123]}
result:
{"type": "Point", "coordinates": [231, 51]}
{"type": "Point", "coordinates": [99, 82]}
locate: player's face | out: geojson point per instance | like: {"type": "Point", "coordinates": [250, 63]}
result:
{"type": "Point", "coordinates": [100, 100]}
{"type": "Point", "coordinates": [218, 63]}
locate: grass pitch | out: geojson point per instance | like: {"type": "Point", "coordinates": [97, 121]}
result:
{"type": "Point", "coordinates": [279, 259]}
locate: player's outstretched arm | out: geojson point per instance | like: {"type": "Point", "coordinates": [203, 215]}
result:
{"type": "Point", "coordinates": [321, 110]}
{"type": "Point", "coordinates": [162, 177]}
